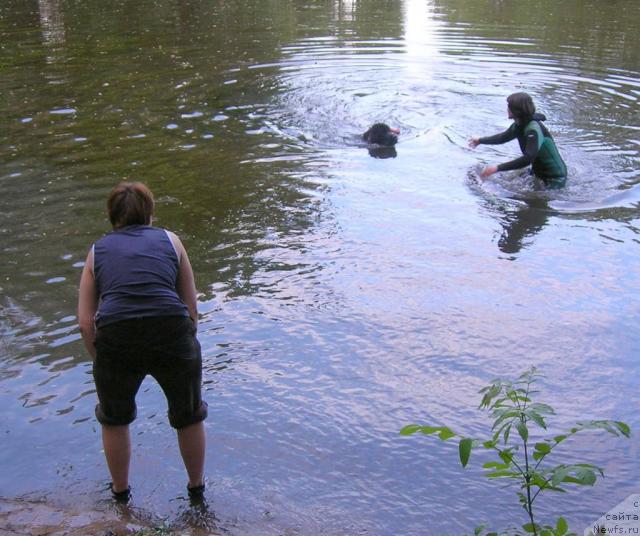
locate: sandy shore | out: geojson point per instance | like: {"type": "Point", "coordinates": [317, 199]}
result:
{"type": "Point", "coordinates": [36, 517]}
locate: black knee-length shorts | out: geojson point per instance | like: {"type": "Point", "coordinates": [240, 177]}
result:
{"type": "Point", "coordinates": [165, 348]}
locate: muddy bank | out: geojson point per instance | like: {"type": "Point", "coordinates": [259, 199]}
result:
{"type": "Point", "coordinates": [39, 517]}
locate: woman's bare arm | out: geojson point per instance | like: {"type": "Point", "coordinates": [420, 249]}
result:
{"type": "Point", "coordinates": [88, 305]}
{"type": "Point", "coordinates": [185, 285]}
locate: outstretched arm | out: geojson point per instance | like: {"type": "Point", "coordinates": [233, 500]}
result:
{"type": "Point", "coordinates": [502, 137]}
{"type": "Point", "coordinates": [530, 154]}
{"type": "Point", "coordinates": [496, 139]}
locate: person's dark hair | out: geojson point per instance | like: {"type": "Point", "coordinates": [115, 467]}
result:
{"type": "Point", "coordinates": [521, 106]}
{"type": "Point", "coordinates": [380, 134]}
{"type": "Point", "coordinates": [130, 203]}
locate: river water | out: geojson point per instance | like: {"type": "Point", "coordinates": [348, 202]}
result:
{"type": "Point", "coordinates": [341, 296]}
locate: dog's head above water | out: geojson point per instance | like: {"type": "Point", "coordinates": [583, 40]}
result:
{"type": "Point", "coordinates": [381, 134]}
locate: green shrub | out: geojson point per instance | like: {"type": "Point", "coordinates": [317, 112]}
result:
{"type": "Point", "coordinates": [511, 406]}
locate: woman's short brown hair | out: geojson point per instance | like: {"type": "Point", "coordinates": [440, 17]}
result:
{"type": "Point", "coordinates": [521, 106]}
{"type": "Point", "coordinates": [130, 203]}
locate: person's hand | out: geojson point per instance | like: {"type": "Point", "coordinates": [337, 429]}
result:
{"type": "Point", "coordinates": [489, 170]}
{"type": "Point", "coordinates": [474, 142]}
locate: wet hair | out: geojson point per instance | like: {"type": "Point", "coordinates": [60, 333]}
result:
{"type": "Point", "coordinates": [521, 106]}
{"type": "Point", "coordinates": [380, 134]}
{"type": "Point", "coordinates": [130, 203]}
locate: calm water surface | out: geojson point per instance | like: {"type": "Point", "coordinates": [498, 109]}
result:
{"type": "Point", "coordinates": [342, 296]}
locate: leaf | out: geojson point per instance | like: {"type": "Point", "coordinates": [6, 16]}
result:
{"type": "Point", "coordinates": [559, 474]}
{"type": "Point", "coordinates": [503, 474]}
{"type": "Point", "coordinates": [496, 435]}
{"type": "Point", "coordinates": [442, 431]}
{"type": "Point", "coordinates": [537, 480]}
{"type": "Point", "coordinates": [591, 466]}
{"type": "Point", "coordinates": [623, 427]}
{"type": "Point", "coordinates": [523, 430]}
{"type": "Point", "coordinates": [528, 373]}
{"type": "Point", "coordinates": [506, 415]}
{"type": "Point", "coordinates": [506, 456]}
{"type": "Point", "coordinates": [512, 395]}
{"type": "Point", "coordinates": [428, 430]}
{"type": "Point", "coordinates": [580, 474]}
{"type": "Point", "coordinates": [507, 431]}
{"type": "Point", "coordinates": [543, 448]}
{"type": "Point", "coordinates": [613, 427]}
{"type": "Point", "coordinates": [495, 465]}
{"type": "Point", "coordinates": [561, 526]}
{"type": "Point", "coordinates": [410, 429]}
{"type": "Point", "coordinates": [489, 394]}
{"type": "Point", "coordinates": [586, 477]}
{"type": "Point", "coordinates": [498, 412]}
{"type": "Point", "coordinates": [530, 528]}
{"type": "Point", "coordinates": [464, 448]}
{"type": "Point", "coordinates": [500, 402]}
{"type": "Point", "coordinates": [603, 425]}
{"type": "Point", "coordinates": [543, 408]}
{"type": "Point", "coordinates": [445, 433]}
{"type": "Point", "coordinates": [537, 418]}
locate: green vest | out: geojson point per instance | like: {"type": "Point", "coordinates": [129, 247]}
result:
{"type": "Point", "coordinates": [548, 164]}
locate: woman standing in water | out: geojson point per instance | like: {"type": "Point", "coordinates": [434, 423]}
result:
{"type": "Point", "coordinates": [138, 315]}
{"type": "Point", "coordinates": [536, 143]}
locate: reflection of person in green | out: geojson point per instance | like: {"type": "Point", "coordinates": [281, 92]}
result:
{"type": "Point", "coordinates": [536, 143]}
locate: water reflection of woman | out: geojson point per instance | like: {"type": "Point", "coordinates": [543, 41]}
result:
{"type": "Point", "coordinates": [138, 315]}
{"type": "Point", "coordinates": [521, 224]}
{"type": "Point", "coordinates": [536, 143]}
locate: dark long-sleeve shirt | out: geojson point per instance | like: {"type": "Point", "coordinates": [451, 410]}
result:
{"type": "Point", "coordinates": [537, 146]}
{"type": "Point", "coordinates": [528, 146]}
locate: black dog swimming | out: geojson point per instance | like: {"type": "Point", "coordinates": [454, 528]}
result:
{"type": "Point", "coordinates": [381, 134]}
{"type": "Point", "coordinates": [381, 139]}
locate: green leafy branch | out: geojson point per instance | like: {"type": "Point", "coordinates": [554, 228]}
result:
{"type": "Point", "coordinates": [511, 406]}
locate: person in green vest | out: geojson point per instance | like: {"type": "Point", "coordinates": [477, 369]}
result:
{"type": "Point", "coordinates": [536, 143]}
